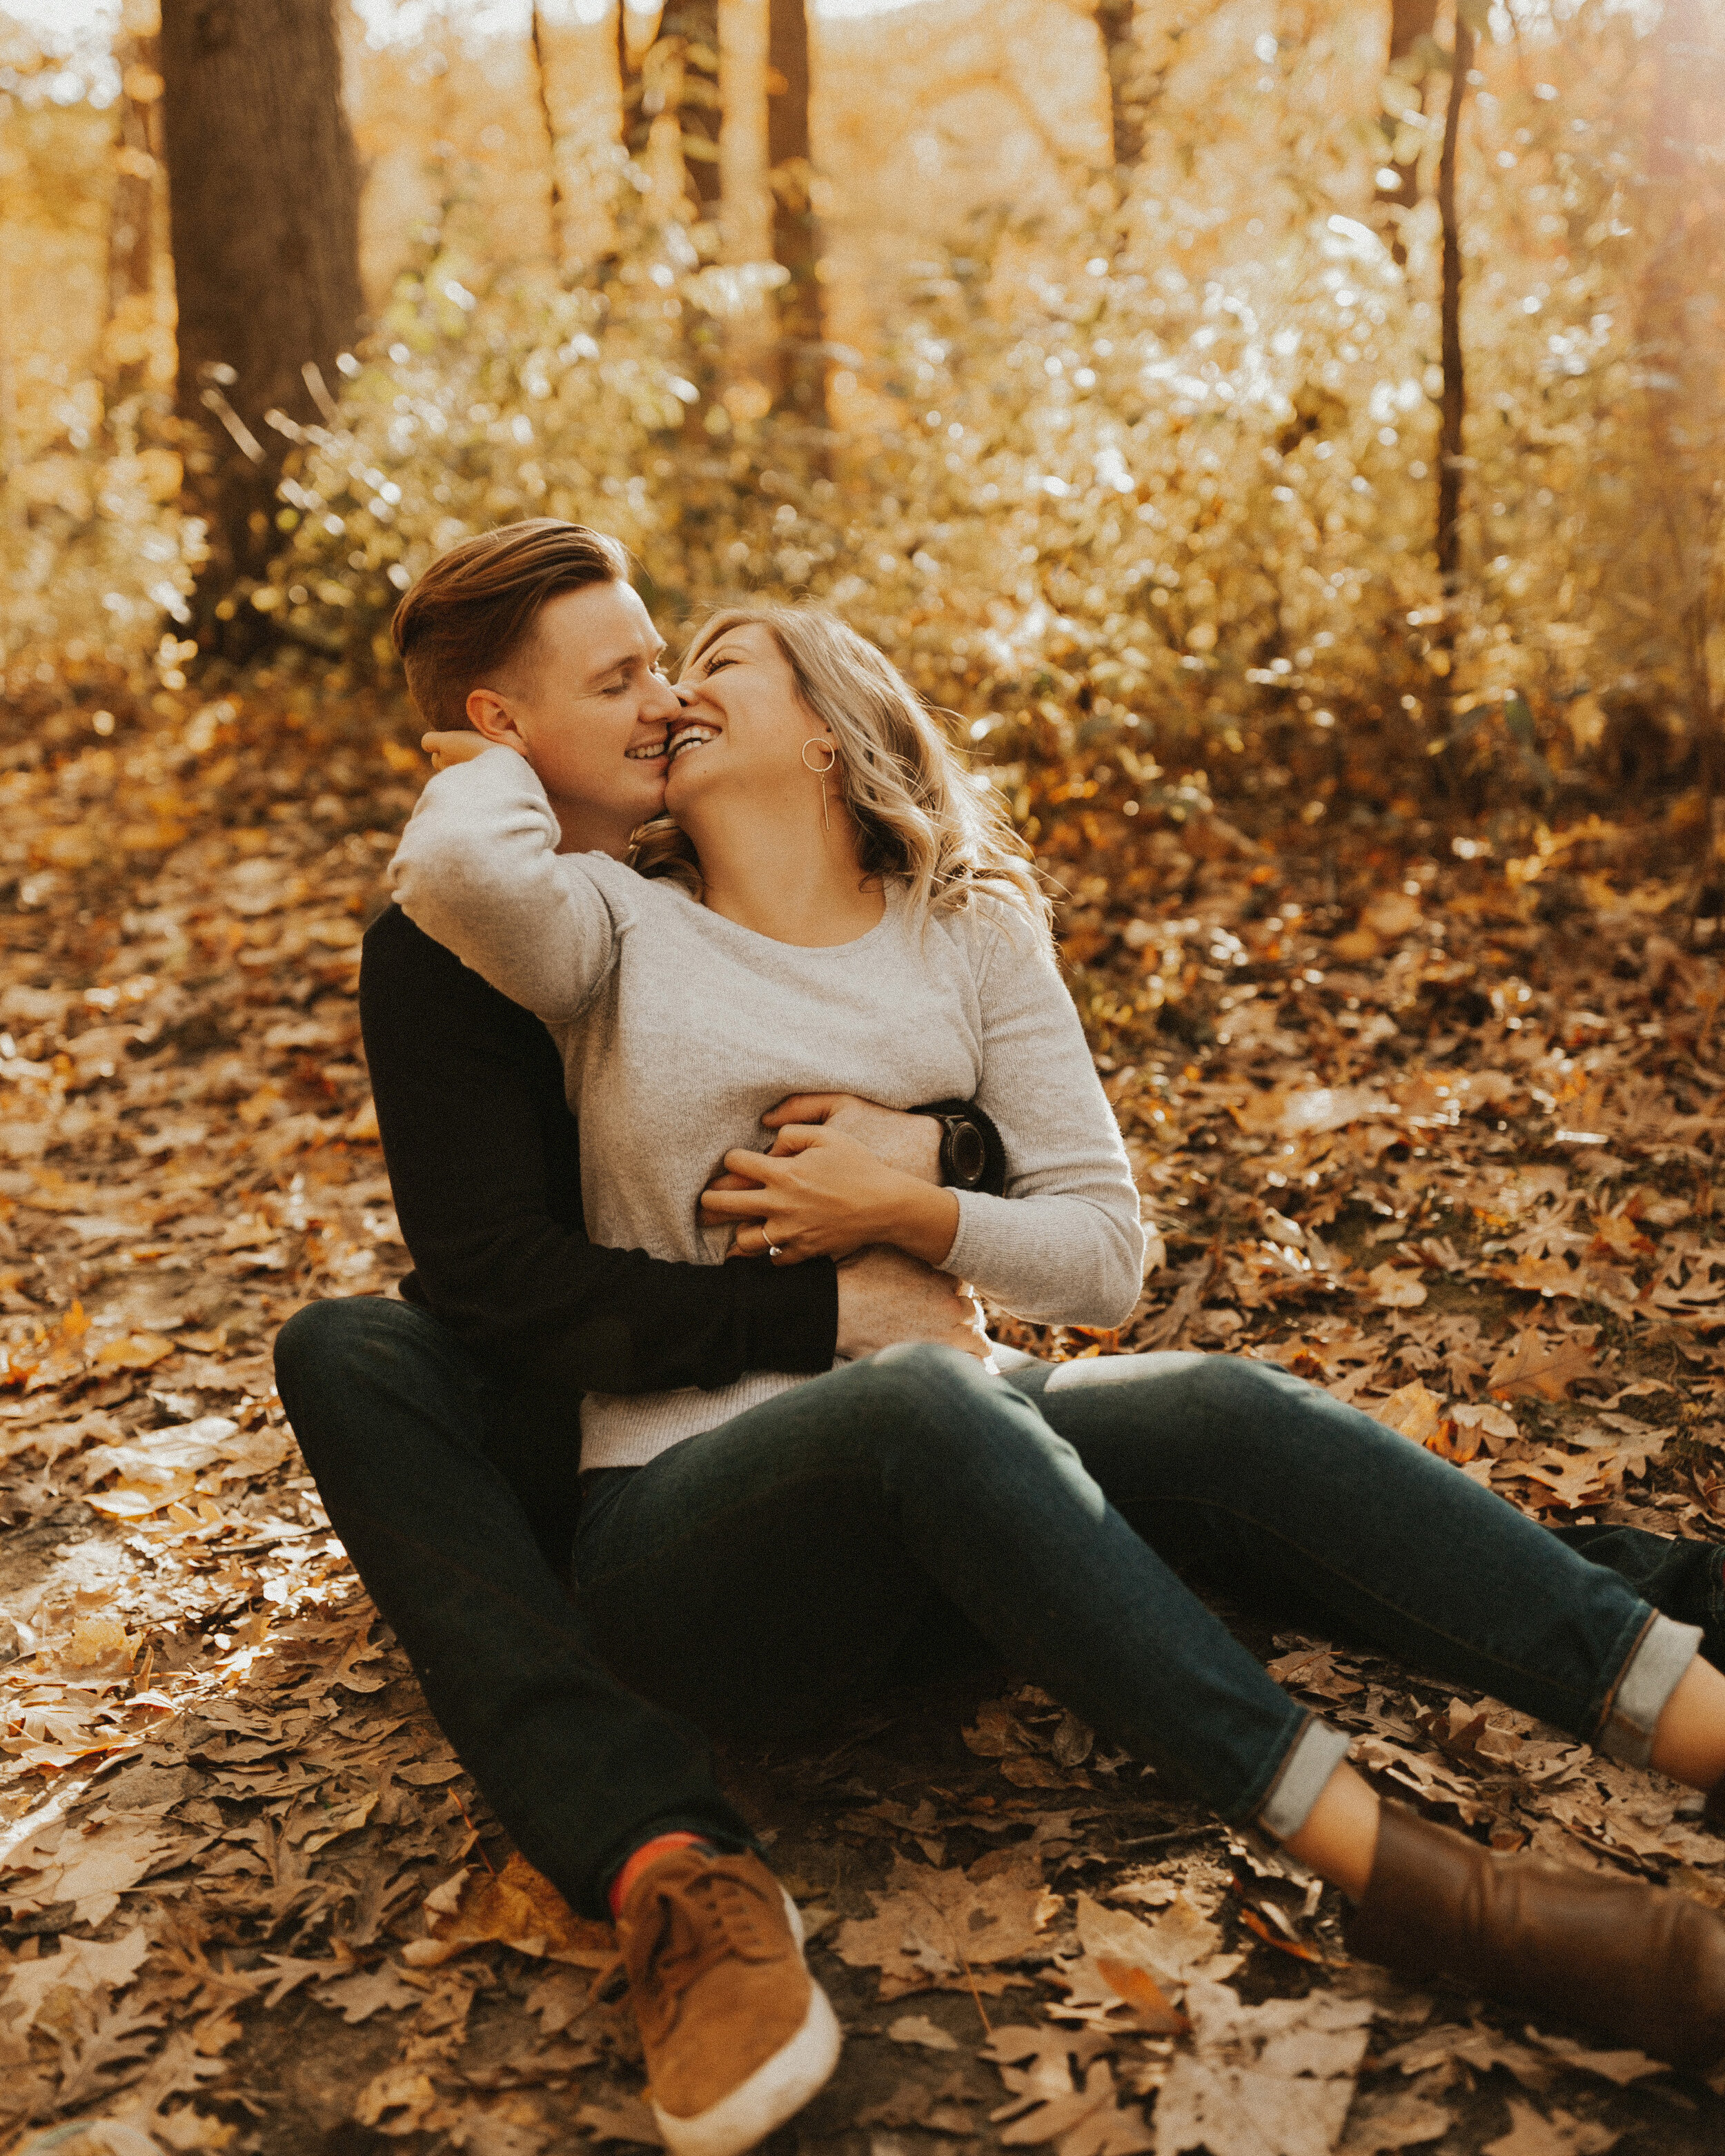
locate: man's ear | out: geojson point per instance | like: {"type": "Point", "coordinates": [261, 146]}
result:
{"type": "Point", "coordinates": [488, 714]}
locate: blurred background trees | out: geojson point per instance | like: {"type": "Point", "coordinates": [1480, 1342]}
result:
{"type": "Point", "coordinates": [1316, 406]}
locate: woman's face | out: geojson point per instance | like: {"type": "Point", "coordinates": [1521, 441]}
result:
{"type": "Point", "coordinates": [741, 732]}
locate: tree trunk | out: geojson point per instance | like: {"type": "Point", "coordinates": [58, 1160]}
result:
{"type": "Point", "coordinates": [553, 136]}
{"type": "Point", "coordinates": [264, 193]}
{"type": "Point", "coordinates": [131, 211]}
{"type": "Point", "coordinates": [678, 73]}
{"type": "Point", "coordinates": [1453, 409]}
{"type": "Point", "coordinates": [1128, 92]}
{"type": "Point", "coordinates": [1410, 21]}
{"type": "Point", "coordinates": [796, 229]}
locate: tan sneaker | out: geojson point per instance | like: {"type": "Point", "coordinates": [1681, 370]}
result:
{"type": "Point", "coordinates": [737, 2033]}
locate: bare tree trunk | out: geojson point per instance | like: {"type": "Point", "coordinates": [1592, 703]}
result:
{"type": "Point", "coordinates": [131, 214]}
{"type": "Point", "coordinates": [796, 229]}
{"type": "Point", "coordinates": [265, 196]}
{"type": "Point", "coordinates": [1128, 97]}
{"type": "Point", "coordinates": [1410, 22]}
{"type": "Point", "coordinates": [1453, 409]}
{"type": "Point", "coordinates": [678, 74]}
{"type": "Point", "coordinates": [541, 80]}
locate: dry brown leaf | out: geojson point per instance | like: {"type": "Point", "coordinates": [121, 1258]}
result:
{"type": "Point", "coordinates": [918, 2029]}
{"type": "Point", "coordinates": [1530, 2134]}
{"type": "Point", "coordinates": [518, 1908]}
{"type": "Point", "coordinates": [1414, 1412]}
{"type": "Point", "coordinates": [1378, 2125]}
{"type": "Point", "coordinates": [1268, 2081]}
{"type": "Point", "coordinates": [940, 1931]}
{"type": "Point", "coordinates": [137, 1351]}
{"type": "Point", "coordinates": [1546, 1370]}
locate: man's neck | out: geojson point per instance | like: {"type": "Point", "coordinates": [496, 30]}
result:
{"type": "Point", "coordinates": [588, 829]}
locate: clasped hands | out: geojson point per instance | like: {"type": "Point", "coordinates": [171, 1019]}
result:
{"type": "Point", "coordinates": [843, 1174]}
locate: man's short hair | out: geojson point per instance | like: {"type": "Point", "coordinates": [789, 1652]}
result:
{"type": "Point", "coordinates": [475, 607]}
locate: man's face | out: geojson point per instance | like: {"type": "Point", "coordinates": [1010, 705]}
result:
{"type": "Point", "coordinates": [584, 701]}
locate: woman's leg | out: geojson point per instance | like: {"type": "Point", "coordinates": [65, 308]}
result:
{"type": "Point", "coordinates": [1260, 1478]}
{"type": "Point", "coordinates": [1245, 1467]}
{"type": "Point", "coordinates": [782, 1558]}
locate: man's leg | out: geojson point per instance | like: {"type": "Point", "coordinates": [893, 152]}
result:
{"type": "Point", "coordinates": [396, 1420]}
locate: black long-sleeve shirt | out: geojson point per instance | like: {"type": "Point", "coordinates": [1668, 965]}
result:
{"type": "Point", "coordinates": [484, 1163]}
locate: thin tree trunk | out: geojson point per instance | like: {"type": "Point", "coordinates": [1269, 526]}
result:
{"type": "Point", "coordinates": [553, 139]}
{"type": "Point", "coordinates": [796, 228]}
{"type": "Point", "coordinates": [1410, 21]}
{"type": "Point", "coordinates": [1453, 409]}
{"type": "Point", "coordinates": [132, 213]}
{"type": "Point", "coordinates": [1128, 92]}
{"type": "Point", "coordinates": [264, 193]}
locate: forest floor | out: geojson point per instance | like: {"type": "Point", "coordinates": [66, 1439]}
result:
{"type": "Point", "coordinates": [1442, 1140]}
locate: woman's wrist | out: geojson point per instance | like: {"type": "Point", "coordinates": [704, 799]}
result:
{"type": "Point", "coordinates": [923, 1221]}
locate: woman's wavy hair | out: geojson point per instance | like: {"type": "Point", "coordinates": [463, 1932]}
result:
{"type": "Point", "coordinates": [921, 814]}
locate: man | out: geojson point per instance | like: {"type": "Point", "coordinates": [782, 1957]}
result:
{"type": "Point", "coordinates": [443, 1429]}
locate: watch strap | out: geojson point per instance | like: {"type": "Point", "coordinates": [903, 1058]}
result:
{"type": "Point", "coordinates": [995, 1167]}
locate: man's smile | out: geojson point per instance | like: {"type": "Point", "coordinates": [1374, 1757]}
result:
{"type": "Point", "coordinates": [691, 733]}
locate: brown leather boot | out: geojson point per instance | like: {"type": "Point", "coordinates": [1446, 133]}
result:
{"type": "Point", "coordinates": [1638, 1963]}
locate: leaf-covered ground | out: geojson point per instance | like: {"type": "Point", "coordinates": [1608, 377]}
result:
{"type": "Point", "coordinates": [1440, 1138]}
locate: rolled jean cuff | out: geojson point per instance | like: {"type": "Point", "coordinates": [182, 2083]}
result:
{"type": "Point", "coordinates": [1313, 1757]}
{"type": "Point", "coordinates": [1664, 1651]}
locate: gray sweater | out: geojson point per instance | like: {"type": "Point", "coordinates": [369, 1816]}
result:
{"type": "Point", "coordinates": [679, 1029]}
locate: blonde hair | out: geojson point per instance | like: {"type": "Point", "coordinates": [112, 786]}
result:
{"type": "Point", "coordinates": [920, 815]}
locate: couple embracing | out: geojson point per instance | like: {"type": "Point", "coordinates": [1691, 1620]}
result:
{"type": "Point", "coordinates": [719, 1054]}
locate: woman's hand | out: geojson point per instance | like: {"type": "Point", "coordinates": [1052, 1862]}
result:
{"type": "Point", "coordinates": [821, 1194]}
{"type": "Point", "coordinates": [458, 747]}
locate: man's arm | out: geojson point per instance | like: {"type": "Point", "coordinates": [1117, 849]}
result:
{"type": "Point", "coordinates": [482, 1155]}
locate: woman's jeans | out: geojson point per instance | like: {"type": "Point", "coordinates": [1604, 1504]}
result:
{"type": "Point", "coordinates": [772, 1569]}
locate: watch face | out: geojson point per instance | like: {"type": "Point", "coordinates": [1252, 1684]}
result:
{"type": "Point", "coordinates": [969, 1155]}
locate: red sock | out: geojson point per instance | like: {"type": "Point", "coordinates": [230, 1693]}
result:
{"type": "Point", "coordinates": [650, 1852]}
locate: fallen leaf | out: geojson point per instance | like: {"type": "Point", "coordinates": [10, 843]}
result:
{"type": "Point", "coordinates": [1377, 2125]}
{"type": "Point", "coordinates": [137, 1351]}
{"type": "Point", "coordinates": [1275, 2080]}
{"type": "Point", "coordinates": [1546, 1371]}
{"type": "Point", "coordinates": [80, 1966]}
{"type": "Point", "coordinates": [918, 2029]}
{"type": "Point", "coordinates": [933, 1931]}
{"type": "Point", "coordinates": [1394, 1289]}
{"type": "Point", "coordinates": [1530, 2134]}
{"type": "Point", "coordinates": [518, 1908]}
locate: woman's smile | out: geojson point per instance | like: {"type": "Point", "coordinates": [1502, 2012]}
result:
{"type": "Point", "coordinates": [691, 733]}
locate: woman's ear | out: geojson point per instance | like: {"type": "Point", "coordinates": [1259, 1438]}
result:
{"type": "Point", "coordinates": [488, 714]}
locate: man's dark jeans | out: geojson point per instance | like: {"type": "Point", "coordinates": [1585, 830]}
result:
{"type": "Point", "coordinates": [776, 1566]}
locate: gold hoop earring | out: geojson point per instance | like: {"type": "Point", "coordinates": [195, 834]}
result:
{"type": "Point", "coordinates": [820, 770]}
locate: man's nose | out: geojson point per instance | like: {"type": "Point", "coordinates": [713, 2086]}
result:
{"type": "Point", "coordinates": [664, 700]}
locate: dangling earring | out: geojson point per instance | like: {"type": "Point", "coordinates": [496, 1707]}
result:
{"type": "Point", "coordinates": [820, 770]}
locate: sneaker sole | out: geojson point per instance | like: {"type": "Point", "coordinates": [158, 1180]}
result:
{"type": "Point", "coordinates": [775, 2092]}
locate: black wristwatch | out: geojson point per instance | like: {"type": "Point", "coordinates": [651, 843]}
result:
{"type": "Point", "coordinates": [971, 1155]}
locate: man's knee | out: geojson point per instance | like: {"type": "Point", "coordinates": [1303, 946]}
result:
{"type": "Point", "coordinates": [332, 1332]}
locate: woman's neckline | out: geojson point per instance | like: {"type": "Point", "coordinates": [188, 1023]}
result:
{"type": "Point", "coordinates": [891, 892]}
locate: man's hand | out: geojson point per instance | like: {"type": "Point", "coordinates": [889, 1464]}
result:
{"type": "Point", "coordinates": [820, 1195]}
{"type": "Point", "coordinates": [909, 1143]}
{"type": "Point", "coordinates": [460, 746]}
{"type": "Point", "coordinates": [885, 1298]}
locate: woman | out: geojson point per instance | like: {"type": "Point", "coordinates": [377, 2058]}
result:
{"type": "Point", "coordinates": [846, 915]}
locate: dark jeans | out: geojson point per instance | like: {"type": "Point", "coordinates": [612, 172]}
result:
{"type": "Point", "coordinates": [779, 1563]}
